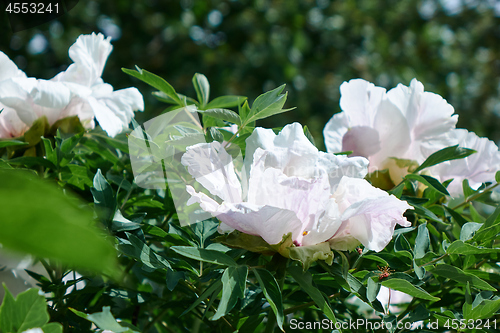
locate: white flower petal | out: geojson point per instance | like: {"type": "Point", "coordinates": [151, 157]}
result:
{"type": "Point", "coordinates": [10, 124]}
{"type": "Point", "coordinates": [478, 168]}
{"type": "Point", "coordinates": [213, 167]}
{"type": "Point", "coordinates": [8, 68]}
{"type": "Point", "coordinates": [369, 214]}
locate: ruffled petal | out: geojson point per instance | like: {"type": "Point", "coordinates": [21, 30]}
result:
{"type": "Point", "coordinates": [360, 100]}
{"type": "Point", "coordinates": [10, 124]}
{"type": "Point", "coordinates": [334, 132]}
{"type": "Point", "coordinates": [8, 68]}
{"type": "Point", "coordinates": [369, 214]}
{"type": "Point", "coordinates": [270, 223]}
{"type": "Point", "coordinates": [213, 167]}
{"type": "Point", "coordinates": [478, 168]}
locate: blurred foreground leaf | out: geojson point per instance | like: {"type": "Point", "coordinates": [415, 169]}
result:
{"type": "Point", "coordinates": [37, 218]}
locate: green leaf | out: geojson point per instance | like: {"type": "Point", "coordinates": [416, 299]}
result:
{"type": "Point", "coordinates": [223, 114]}
{"type": "Point", "coordinates": [268, 104]}
{"type": "Point", "coordinates": [217, 285]}
{"type": "Point", "coordinates": [52, 328]}
{"type": "Point", "coordinates": [225, 102]}
{"type": "Point", "coordinates": [234, 282]}
{"type": "Point", "coordinates": [429, 181]}
{"type": "Point", "coordinates": [481, 308]}
{"type": "Point", "coordinates": [445, 154]}
{"type": "Point", "coordinates": [468, 230]}
{"type": "Point", "coordinates": [422, 241]}
{"type": "Point", "coordinates": [272, 293]}
{"type": "Point", "coordinates": [372, 289]}
{"type": "Point", "coordinates": [202, 88]}
{"type": "Point", "coordinates": [8, 143]}
{"type": "Point", "coordinates": [76, 175]}
{"type": "Point", "coordinates": [304, 279]}
{"type": "Point", "coordinates": [458, 217]}
{"type": "Point", "coordinates": [468, 191]}
{"type": "Point", "coordinates": [459, 247]}
{"type": "Point", "coordinates": [456, 274]}
{"type": "Point", "coordinates": [408, 288]}
{"type": "Point", "coordinates": [38, 218]}
{"type": "Point", "coordinates": [142, 252]}
{"type": "Point", "coordinates": [309, 136]}
{"type": "Point", "coordinates": [311, 253]}
{"type": "Point", "coordinates": [28, 310]}
{"type": "Point", "coordinates": [104, 197]}
{"type": "Point", "coordinates": [154, 81]}
{"type": "Point", "coordinates": [211, 256]}
{"type": "Point", "coordinates": [475, 214]}
{"type": "Point", "coordinates": [104, 320]}
{"type": "Point", "coordinates": [213, 134]}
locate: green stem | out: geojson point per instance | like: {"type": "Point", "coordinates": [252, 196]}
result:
{"type": "Point", "coordinates": [475, 196]}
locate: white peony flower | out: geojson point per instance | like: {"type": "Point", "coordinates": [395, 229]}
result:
{"type": "Point", "coordinates": [406, 123]}
{"type": "Point", "coordinates": [78, 91]}
{"type": "Point", "coordinates": [288, 186]}
{"type": "Point", "coordinates": [113, 109]}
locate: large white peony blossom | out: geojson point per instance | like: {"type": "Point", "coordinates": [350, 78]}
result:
{"type": "Point", "coordinates": [288, 186]}
{"type": "Point", "coordinates": [78, 91]}
{"type": "Point", "coordinates": [406, 123]}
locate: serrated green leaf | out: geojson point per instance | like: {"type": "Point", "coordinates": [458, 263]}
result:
{"type": "Point", "coordinates": [225, 102]}
{"type": "Point", "coordinates": [304, 279]}
{"type": "Point", "coordinates": [154, 81]}
{"type": "Point", "coordinates": [211, 256]}
{"type": "Point", "coordinates": [456, 274]}
{"type": "Point", "coordinates": [27, 310]}
{"type": "Point", "coordinates": [234, 282]}
{"type": "Point", "coordinates": [272, 292]}
{"type": "Point", "coordinates": [202, 88]}
{"type": "Point", "coordinates": [38, 218]}
{"type": "Point", "coordinates": [429, 181]}
{"type": "Point", "coordinates": [408, 288]}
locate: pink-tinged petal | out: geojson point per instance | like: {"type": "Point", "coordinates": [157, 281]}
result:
{"type": "Point", "coordinates": [334, 132]}
{"type": "Point", "coordinates": [369, 214]}
{"type": "Point", "coordinates": [362, 141]}
{"type": "Point", "coordinates": [325, 227]}
{"type": "Point", "coordinates": [213, 167]}
{"type": "Point", "coordinates": [15, 94]}
{"type": "Point", "coordinates": [478, 168]}
{"type": "Point", "coordinates": [81, 108]}
{"type": "Point", "coordinates": [306, 197]}
{"type": "Point", "coordinates": [10, 124]}
{"type": "Point", "coordinates": [270, 223]}
{"type": "Point", "coordinates": [8, 68]}
{"type": "Point", "coordinates": [360, 100]}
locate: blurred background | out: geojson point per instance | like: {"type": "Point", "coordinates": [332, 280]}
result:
{"type": "Point", "coordinates": [245, 47]}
